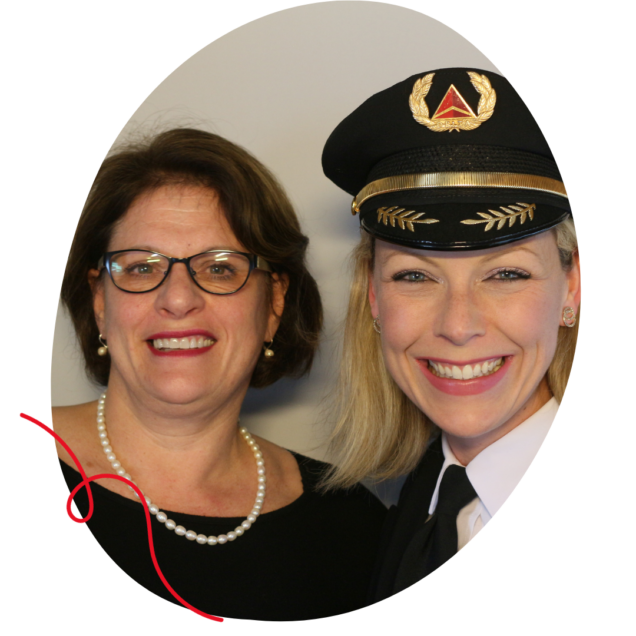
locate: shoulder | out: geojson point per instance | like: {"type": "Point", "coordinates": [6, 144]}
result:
{"type": "Point", "coordinates": [73, 425]}
{"type": "Point", "coordinates": [313, 471]}
{"type": "Point", "coordinates": [69, 415]}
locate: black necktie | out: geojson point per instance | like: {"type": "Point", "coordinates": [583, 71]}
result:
{"type": "Point", "coordinates": [436, 541]}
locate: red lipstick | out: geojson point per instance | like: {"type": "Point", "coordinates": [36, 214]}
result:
{"type": "Point", "coordinates": [180, 353]}
{"type": "Point", "coordinates": [187, 333]}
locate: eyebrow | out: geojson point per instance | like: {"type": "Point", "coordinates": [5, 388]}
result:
{"type": "Point", "coordinates": [148, 248]}
{"type": "Point", "coordinates": [513, 248]}
{"type": "Point", "coordinates": [421, 255]}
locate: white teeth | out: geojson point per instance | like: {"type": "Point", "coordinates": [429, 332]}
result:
{"type": "Point", "coordinates": [195, 342]}
{"type": "Point", "coordinates": [467, 372]}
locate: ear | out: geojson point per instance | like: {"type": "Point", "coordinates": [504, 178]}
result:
{"type": "Point", "coordinates": [97, 287]}
{"type": "Point", "coordinates": [573, 277]}
{"type": "Point", "coordinates": [280, 284]}
{"type": "Point", "coordinates": [373, 299]}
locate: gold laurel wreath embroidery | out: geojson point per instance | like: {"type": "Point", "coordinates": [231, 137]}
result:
{"type": "Point", "coordinates": [403, 217]}
{"type": "Point", "coordinates": [485, 108]}
{"type": "Point", "coordinates": [509, 214]}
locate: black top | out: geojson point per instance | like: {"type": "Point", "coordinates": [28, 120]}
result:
{"type": "Point", "coordinates": [403, 522]}
{"type": "Point", "coordinates": [310, 559]}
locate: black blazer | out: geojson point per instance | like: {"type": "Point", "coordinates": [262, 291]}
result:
{"type": "Point", "coordinates": [404, 520]}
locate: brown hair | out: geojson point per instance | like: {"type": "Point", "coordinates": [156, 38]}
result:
{"type": "Point", "coordinates": [379, 432]}
{"type": "Point", "coordinates": [256, 207]}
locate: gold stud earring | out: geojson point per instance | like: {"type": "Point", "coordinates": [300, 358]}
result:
{"type": "Point", "coordinates": [569, 317]}
{"type": "Point", "coordinates": [103, 350]}
{"type": "Point", "coordinates": [376, 324]}
{"type": "Point", "coordinates": [267, 351]}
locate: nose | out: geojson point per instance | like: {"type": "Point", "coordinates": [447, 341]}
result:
{"type": "Point", "coordinates": [179, 296]}
{"type": "Point", "coordinates": [460, 318]}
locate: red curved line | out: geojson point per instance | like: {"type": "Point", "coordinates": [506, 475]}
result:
{"type": "Point", "coordinates": [79, 468]}
{"type": "Point", "coordinates": [86, 483]}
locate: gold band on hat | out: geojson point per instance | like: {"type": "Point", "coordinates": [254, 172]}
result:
{"type": "Point", "coordinates": [457, 180]}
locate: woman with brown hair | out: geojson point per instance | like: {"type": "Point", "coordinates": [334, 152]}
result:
{"type": "Point", "coordinates": [187, 284]}
{"type": "Point", "coordinates": [462, 318]}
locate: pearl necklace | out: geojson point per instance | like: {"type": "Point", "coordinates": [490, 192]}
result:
{"type": "Point", "coordinates": [161, 516]}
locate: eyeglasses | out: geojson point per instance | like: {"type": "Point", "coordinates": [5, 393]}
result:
{"type": "Point", "coordinates": [216, 272]}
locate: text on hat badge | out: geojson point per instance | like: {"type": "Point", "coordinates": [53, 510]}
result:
{"type": "Point", "coordinates": [453, 113]}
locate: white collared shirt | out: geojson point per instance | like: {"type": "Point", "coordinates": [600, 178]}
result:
{"type": "Point", "coordinates": [497, 470]}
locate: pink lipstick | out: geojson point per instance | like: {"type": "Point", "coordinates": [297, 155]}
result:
{"type": "Point", "coordinates": [472, 386]}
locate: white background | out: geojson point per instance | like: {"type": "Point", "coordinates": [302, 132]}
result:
{"type": "Point", "coordinates": [72, 75]}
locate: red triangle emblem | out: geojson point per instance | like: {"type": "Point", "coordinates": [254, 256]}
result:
{"type": "Point", "coordinates": [453, 106]}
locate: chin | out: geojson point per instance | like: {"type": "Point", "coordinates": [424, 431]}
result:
{"type": "Point", "coordinates": [466, 421]}
{"type": "Point", "coordinates": [464, 415]}
{"type": "Point", "coordinates": [465, 408]}
{"type": "Point", "coordinates": [178, 391]}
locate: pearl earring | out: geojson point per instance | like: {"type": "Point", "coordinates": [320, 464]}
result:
{"type": "Point", "coordinates": [376, 324]}
{"type": "Point", "coordinates": [569, 317]}
{"type": "Point", "coordinates": [267, 351]}
{"type": "Point", "coordinates": [103, 350]}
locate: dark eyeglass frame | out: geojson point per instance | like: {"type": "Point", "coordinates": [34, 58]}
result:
{"type": "Point", "coordinates": [256, 262]}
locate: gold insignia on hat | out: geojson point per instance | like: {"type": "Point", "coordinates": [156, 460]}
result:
{"type": "Point", "coordinates": [453, 113]}
{"type": "Point", "coordinates": [403, 217]}
{"type": "Point", "coordinates": [510, 214]}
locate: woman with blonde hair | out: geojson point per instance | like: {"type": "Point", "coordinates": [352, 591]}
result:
{"type": "Point", "coordinates": [461, 326]}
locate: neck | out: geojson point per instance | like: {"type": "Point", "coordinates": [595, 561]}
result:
{"type": "Point", "coordinates": [198, 441]}
{"type": "Point", "coordinates": [466, 449]}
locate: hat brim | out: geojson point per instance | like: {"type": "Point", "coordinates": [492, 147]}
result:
{"type": "Point", "coordinates": [451, 219]}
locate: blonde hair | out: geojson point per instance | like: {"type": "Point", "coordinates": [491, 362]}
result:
{"type": "Point", "coordinates": [379, 432]}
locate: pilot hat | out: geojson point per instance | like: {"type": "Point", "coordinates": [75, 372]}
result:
{"type": "Point", "coordinates": [449, 159]}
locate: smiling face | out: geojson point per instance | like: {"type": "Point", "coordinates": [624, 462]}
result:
{"type": "Point", "coordinates": [225, 333]}
{"type": "Point", "coordinates": [469, 336]}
